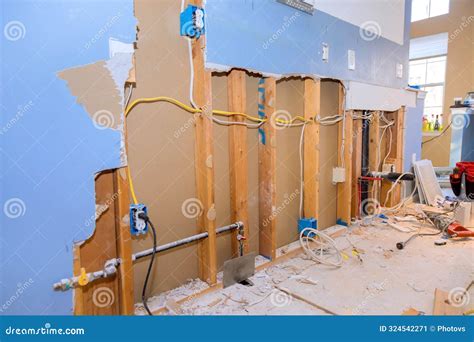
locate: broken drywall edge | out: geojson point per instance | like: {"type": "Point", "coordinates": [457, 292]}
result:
{"type": "Point", "coordinates": [116, 46]}
{"type": "Point", "coordinates": [119, 67]}
{"type": "Point", "coordinates": [111, 114]}
{"type": "Point", "coordinates": [94, 93]}
{"type": "Point", "coordinates": [226, 68]}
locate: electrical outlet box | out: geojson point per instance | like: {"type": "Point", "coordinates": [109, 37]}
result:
{"type": "Point", "coordinates": [338, 175]}
{"type": "Point", "coordinates": [192, 22]}
{"type": "Point", "coordinates": [137, 225]}
{"type": "Point", "coordinates": [325, 52]}
{"type": "Point", "coordinates": [351, 59]}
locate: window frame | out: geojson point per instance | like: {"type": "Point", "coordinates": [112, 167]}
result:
{"type": "Point", "coordinates": [435, 84]}
{"type": "Point", "coordinates": [429, 11]}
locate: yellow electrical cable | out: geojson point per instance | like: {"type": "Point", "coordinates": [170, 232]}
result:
{"type": "Point", "coordinates": [194, 111]}
{"type": "Point", "coordinates": [215, 111]}
{"type": "Point", "coordinates": [130, 184]}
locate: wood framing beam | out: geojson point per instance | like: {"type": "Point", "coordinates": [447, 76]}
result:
{"type": "Point", "coordinates": [344, 150]}
{"type": "Point", "coordinates": [267, 170]}
{"type": "Point", "coordinates": [374, 156]}
{"type": "Point", "coordinates": [238, 161]}
{"type": "Point", "coordinates": [204, 163]}
{"type": "Point", "coordinates": [312, 108]}
{"type": "Point", "coordinates": [95, 251]}
{"type": "Point", "coordinates": [356, 166]}
{"type": "Point", "coordinates": [124, 242]}
{"type": "Point", "coordinates": [398, 150]}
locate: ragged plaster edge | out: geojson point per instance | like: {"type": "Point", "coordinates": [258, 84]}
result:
{"type": "Point", "coordinates": [120, 66]}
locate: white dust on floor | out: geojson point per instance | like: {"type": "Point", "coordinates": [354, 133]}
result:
{"type": "Point", "coordinates": [386, 282]}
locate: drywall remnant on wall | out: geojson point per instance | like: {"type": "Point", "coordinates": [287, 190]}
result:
{"type": "Point", "coordinates": [50, 148]}
{"type": "Point", "coordinates": [99, 87]}
{"type": "Point", "coordinates": [270, 38]}
{"type": "Point", "coordinates": [363, 96]}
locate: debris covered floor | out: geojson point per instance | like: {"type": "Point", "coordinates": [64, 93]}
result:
{"type": "Point", "coordinates": [379, 279]}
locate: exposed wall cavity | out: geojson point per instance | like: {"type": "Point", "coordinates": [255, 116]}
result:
{"type": "Point", "coordinates": [50, 148]}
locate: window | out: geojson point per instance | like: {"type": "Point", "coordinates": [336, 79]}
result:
{"type": "Point", "coordinates": [423, 9]}
{"type": "Point", "coordinates": [429, 74]}
{"type": "Point", "coordinates": [427, 69]}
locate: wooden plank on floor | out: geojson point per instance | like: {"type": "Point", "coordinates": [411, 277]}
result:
{"type": "Point", "coordinates": [124, 242]}
{"type": "Point", "coordinates": [267, 171]}
{"type": "Point", "coordinates": [344, 150]}
{"type": "Point", "coordinates": [442, 306]}
{"type": "Point", "coordinates": [312, 108]}
{"type": "Point", "coordinates": [356, 166]}
{"type": "Point", "coordinates": [238, 160]}
{"type": "Point", "coordinates": [204, 163]}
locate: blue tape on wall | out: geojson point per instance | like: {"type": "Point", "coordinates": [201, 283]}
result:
{"type": "Point", "coordinates": [50, 148]}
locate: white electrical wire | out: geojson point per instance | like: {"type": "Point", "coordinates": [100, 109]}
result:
{"type": "Point", "coordinates": [389, 145]}
{"type": "Point", "coordinates": [325, 245]}
{"type": "Point", "coordinates": [393, 186]}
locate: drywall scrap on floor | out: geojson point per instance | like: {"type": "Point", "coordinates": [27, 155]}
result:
{"type": "Point", "coordinates": [386, 282]}
{"type": "Point", "coordinates": [50, 147]}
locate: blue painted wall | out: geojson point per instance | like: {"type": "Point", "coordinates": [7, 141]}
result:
{"type": "Point", "coordinates": [49, 147]}
{"type": "Point", "coordinates": [264, 36]}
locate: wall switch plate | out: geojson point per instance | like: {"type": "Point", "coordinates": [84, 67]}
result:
{"type": "Point", "coordinates": [338, 175]}
{"type": "Point", "coordinates": [399, 70]}
{"type": "Point", "coordinates": [351, 59]}
{"type": "Point", "coordinates": [137, 225]}
{"type": "Point", "coordinates": [325, 52]}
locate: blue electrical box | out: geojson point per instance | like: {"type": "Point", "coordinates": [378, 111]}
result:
{"type": "Point", "coordinates": [138, 225]}
{"type": "Point", "coordinates": [307, 223]}
{"type": "Point", "coordinates": [192, 22]}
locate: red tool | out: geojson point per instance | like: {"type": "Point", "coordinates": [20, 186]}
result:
{"type": "Point", "coordinates": [456, 230]}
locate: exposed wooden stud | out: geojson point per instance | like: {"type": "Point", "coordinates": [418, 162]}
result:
{"type": "Point", "coordinates": [95, 251]}
{"type": "Point", "coordinates": [344, 148]}
{"type": "Point", "coordinates": [398, 151]}
{"type": "Point", "coordinates": [124, 242]}
{"type": "Point", "coordinates": [374, 156]}
{"type": "Point", "coordinates": [238, 161]}
{"type": "Point", "coordinates": [204, 163]}
{"type": "Point", "coordinates": [356, 166]}
{"type": "Point", "coordinates": [312, 108]}
{"type": "Point", "coordinates": [78, 308]}
{"type": "Point", "coordinates": [267, 173]}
